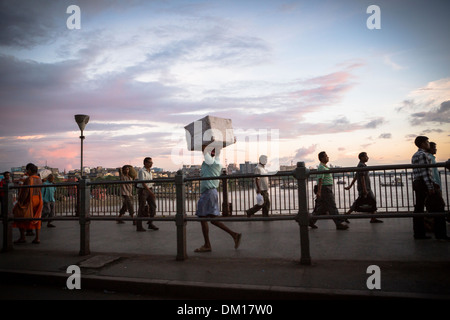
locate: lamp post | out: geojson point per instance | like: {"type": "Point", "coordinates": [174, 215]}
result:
{"type": "Point", "coordinates": [81, 120]}
{"type": "Point", "coordinates": [83, 195]}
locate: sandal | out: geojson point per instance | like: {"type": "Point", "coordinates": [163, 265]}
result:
{"type": "Point", "coordinates": [237, 240]}
{"type": "Point", "coordinates": [36, 241]}
{"type": "Point", "coordinates": [202, 249]}
{"type": "Point", "coordinates": [20, 241]}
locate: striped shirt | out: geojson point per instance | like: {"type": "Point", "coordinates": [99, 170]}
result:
{"type": "Point", "coordinates": [327, 178]}
{"type": "Point", "coordinates": [422, 157]}
{"type": "Point", "coordinates": [126, 189]}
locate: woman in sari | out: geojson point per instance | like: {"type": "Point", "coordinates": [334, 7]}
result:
{"type": "Point", "coordinates": [29, 205]}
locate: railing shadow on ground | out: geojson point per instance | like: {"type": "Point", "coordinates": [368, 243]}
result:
{"type": "Point", "coordinates": [291, 198]}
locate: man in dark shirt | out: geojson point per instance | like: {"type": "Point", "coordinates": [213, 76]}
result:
{"type": "Point", "coordinates": [366, 201]}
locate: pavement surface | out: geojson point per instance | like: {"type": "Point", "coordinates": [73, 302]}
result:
{"type": "Point", "coordinates": [266, 266]}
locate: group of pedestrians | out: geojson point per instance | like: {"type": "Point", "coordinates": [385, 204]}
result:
{"type": "Point", "coordinates": [208, 203]}
{"type": "Point", "coordinates": [39, 202]}
{"type": "Point", "coordinates": [426, 184]}
{"type": "Point", "coordinates": [146, 196]}
{"type": "Point", "coordinates": [324, 202]}
{"type": "Point", "coordinates": [34, 203]}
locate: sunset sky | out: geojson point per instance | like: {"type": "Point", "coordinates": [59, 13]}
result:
{"type": "Point", "coordinates": [295, 77]}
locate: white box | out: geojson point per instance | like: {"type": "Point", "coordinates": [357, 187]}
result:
{"type": "Point", "coordinates": [207, 130]}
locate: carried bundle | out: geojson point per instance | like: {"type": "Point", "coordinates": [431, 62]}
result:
{"type": "Point", "coordinates": [209, 130]}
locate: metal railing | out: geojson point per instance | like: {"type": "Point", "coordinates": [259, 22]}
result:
{"type": "Point", "coordinates": [291, 195]}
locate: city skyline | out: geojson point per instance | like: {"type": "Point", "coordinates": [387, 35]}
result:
{"type": "Point", "coordinates": [295, 77]}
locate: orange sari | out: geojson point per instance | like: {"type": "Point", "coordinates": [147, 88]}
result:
{"type": "Point", "coordinates": [31, 197]}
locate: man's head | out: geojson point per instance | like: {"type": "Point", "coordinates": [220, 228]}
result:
{"type": "Point", "coordinates": [263, 160]}
{"type": "Point", "coordinates": [363, 157]}
{"type": "Point", "coordinates": [209, 149]}
{"type": "Point", "coordinates": [323, 157]}
{"type": "Point", "coordinates": [433, 148]}
{"type": "Point", "coordinates": [422, 142]}
{"type": "Point", "coordinates": [31, 168]}
{"type": "Point", "coordinates": [6, 175]}
{"type": "Point", "coordinates": [148, 162]}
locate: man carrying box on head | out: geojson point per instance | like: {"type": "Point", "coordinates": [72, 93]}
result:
{"type": "Point", "coordinates": [208, 204]}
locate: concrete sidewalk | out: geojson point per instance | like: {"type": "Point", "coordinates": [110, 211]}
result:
{"type": "Point", "coordinates": [266, 265]}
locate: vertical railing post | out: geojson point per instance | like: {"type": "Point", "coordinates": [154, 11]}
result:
{"type": "Point", "coordinates": [85, 198]}
{"type": "Point", "coordinates": [301, 174]}
{"type": "Point", "coordinates": [225, 205]}
{"type": "Point", "coordinates": [7, 214]}
{"type": "Point", "coordinates": [180, 216]}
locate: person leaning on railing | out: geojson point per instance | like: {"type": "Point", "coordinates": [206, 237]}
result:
{"type": "Point", "coordinates": [427, 193]}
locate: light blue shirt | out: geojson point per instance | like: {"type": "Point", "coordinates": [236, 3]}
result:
{"type": "Point", "coordinates": [211, 167]}
{"type": "Point", "coordinates": [435, 170]}
{"type": "Point", "coordinates": [48, 194]}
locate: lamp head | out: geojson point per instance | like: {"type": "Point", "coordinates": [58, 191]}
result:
{"type": "Point", "coordinates": [81, 120]}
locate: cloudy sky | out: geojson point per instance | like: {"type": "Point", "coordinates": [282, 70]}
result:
{"type": "Point", "coordinates": [295, 77]}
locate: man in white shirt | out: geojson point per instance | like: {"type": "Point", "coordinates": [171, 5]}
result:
{"type": "Point", "coordinates": [262, 188]}
{"type": "Point", "coordinates": [146, 195]}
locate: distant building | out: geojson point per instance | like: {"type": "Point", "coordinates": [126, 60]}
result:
{"type": "Point", "coordinates": [247, 167]}
{"type": "Point", "coordinates": [17, 173]}
{"type": "Point", "coordinates": [191, 171]}
{"type": "Point", "coordinates": [287, 168]}
{"type": "Point", "coordinates": [232, 168]}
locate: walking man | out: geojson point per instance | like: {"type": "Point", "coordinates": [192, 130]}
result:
{"type": "Point", "coordinates": [325, 197]}
{"type": "Point", "coordinates": [208, 204]}
{"type": "Point", "coordinates": [48, 196]}
{"type": "Point", "coordinates": [262, 188]}
{"type": "Point", "coordinates": [366, 201]}
{"type": "Point", "coordinates": [146, 195]}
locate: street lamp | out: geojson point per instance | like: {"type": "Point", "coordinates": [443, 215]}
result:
{"type": "Point", "coordinates": [81, 120]}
